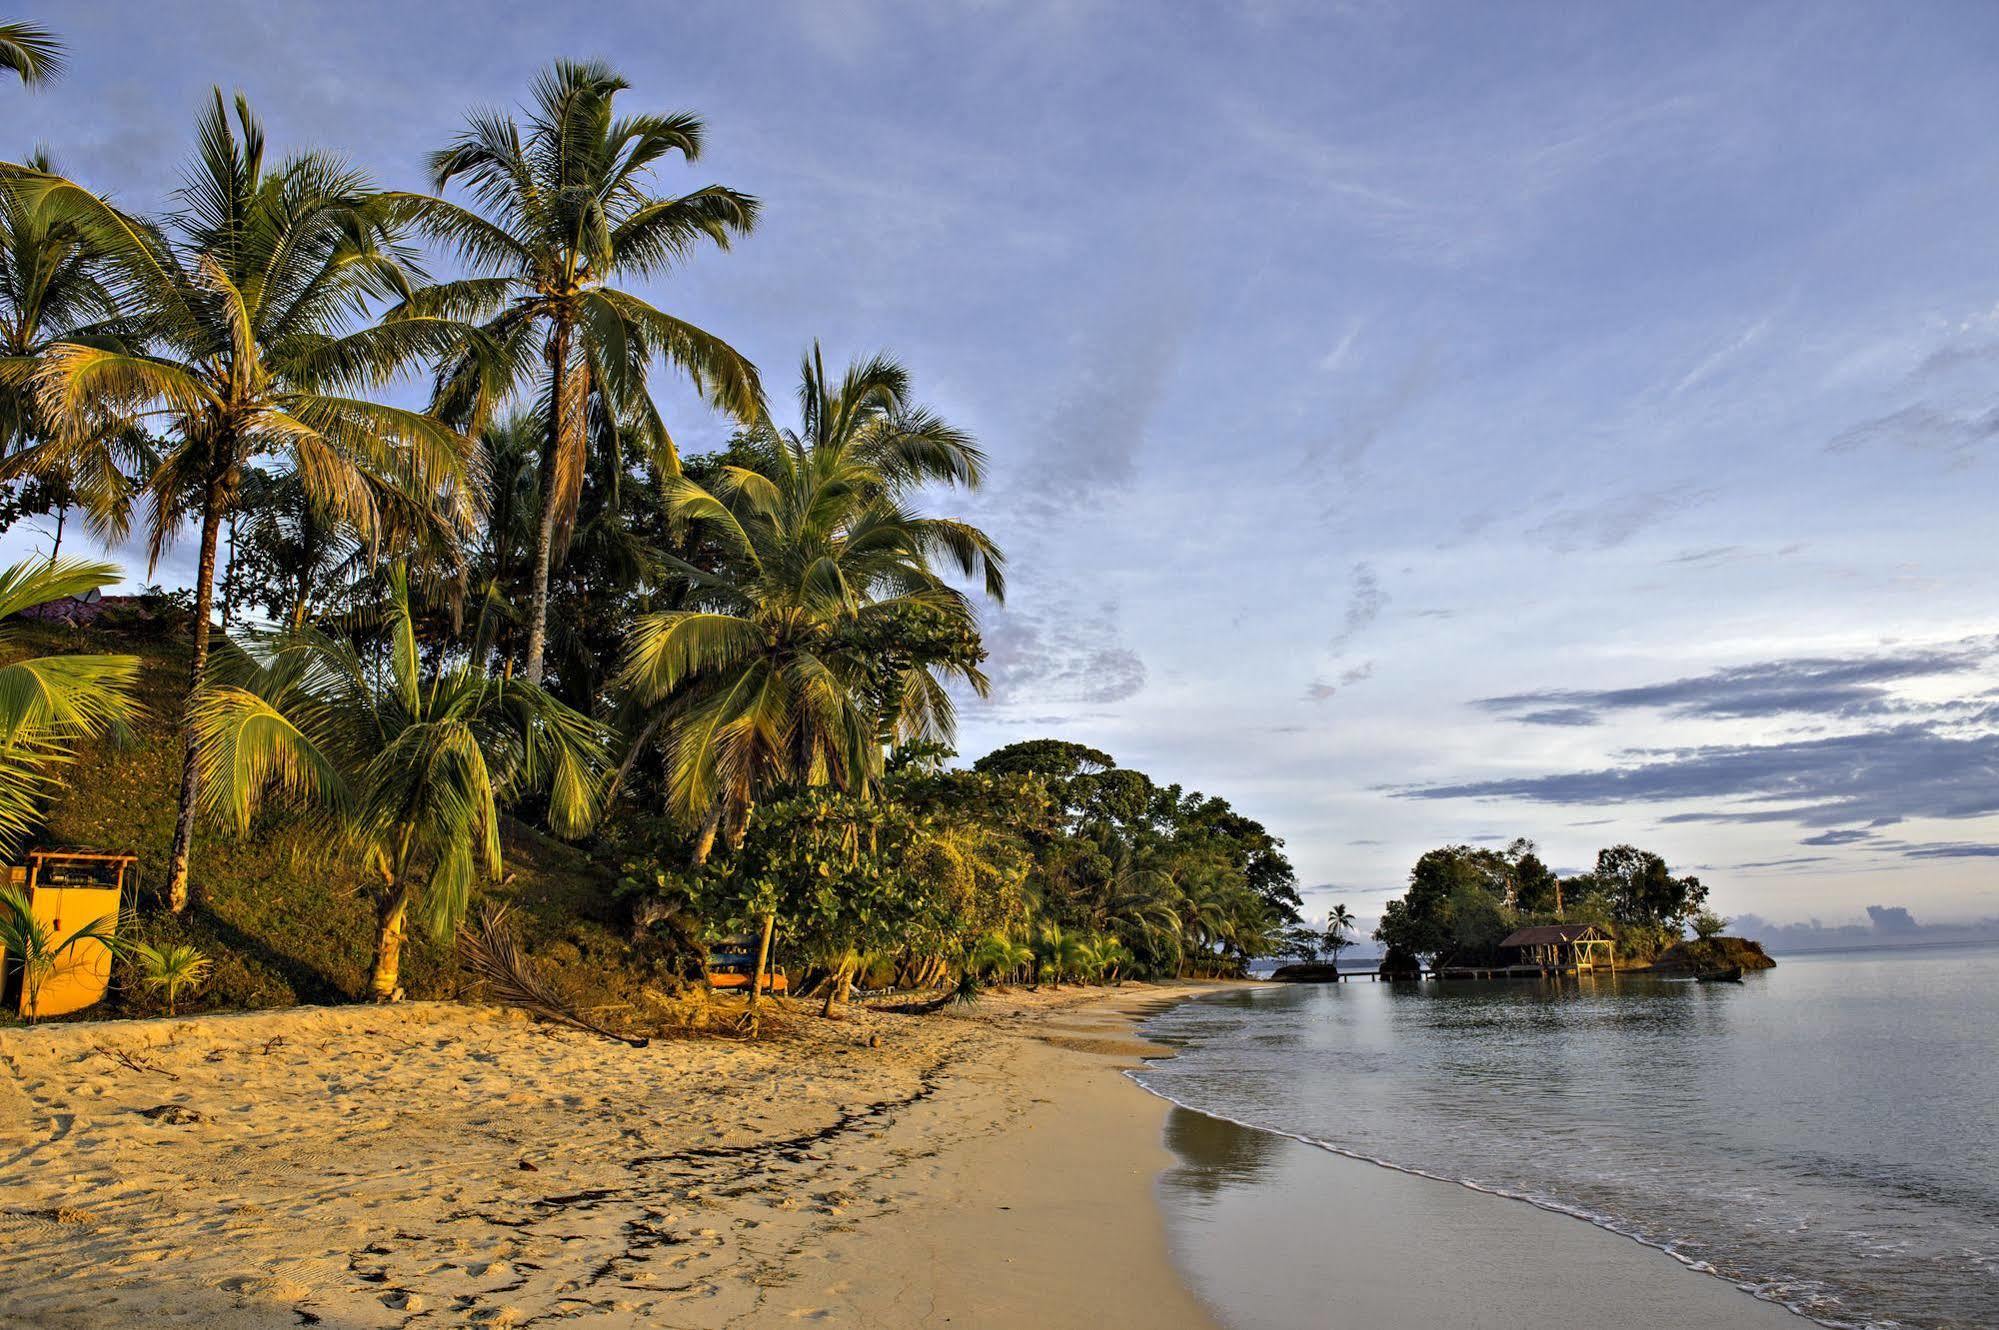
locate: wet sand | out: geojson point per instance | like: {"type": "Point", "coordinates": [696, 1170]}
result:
{"type": "Point", "coordinates": [1277, 1234]}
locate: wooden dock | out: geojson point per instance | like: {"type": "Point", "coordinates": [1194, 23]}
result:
{"type": "Point", "coordinates": [1462, 972]}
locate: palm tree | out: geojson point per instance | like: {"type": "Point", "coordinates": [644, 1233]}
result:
{"type": "Point", "coordinates": [52, 287]}
{"type": "Point", "coordinates": [416, 769]}
{"type": "Point", "coordinates": [1339, 922]}
{"type": "Point", "coordinates": [50, 704]}
{"type": "Point", "coordinates": [52, 284]}
{"type": "Point", "coordinates": [559, 212]}
{"type": "Point", "coordinates": [789, 666]}
{"type": "Point", "coordinates": [31, 53]}
{"type": "Point", "coordinates": [249, 338]}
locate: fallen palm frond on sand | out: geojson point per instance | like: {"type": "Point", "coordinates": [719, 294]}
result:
{"type": "Point", "coordinates": [490, 952]}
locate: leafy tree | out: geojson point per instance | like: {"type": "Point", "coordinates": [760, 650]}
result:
{"type": "Point", "coordinates": [416, 768]}
{"type": "Point", "coordinates": [1639, 890]}
{"type": "Point", "coordinates": [50, 704]}
{"type": "Point", "coordinates": [1046, 757]}
{"type": "Point", "coordinates": [1708, 925]}
{"type": "Point", "coordinates": [31, 53]}
{"type": "Point", "coordinates": [1535, 888]}
{"type": "Point", "coordinates": [559, 214]}
{"type": "Point", "coordinates": [1444, 880]}
{"type": "Point", "coordinates": [243, 343]}
{"type": "Point", "coordinates": [289, 557]}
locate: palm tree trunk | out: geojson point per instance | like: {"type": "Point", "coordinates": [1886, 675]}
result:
{"type": "Point", "coordinates": [229, 578]}
{"type": "Point", "coordinates": [763, 959]}
{"type": "Point", "coordinates": [190, 769]}
{"type": "Point", "coordinates": [840, 988]}
{"type": "Point", "coordinates": [704, 839]}
{"type": "Point", "coordinates": [389, 932]}
{"type": "Point", "coordinates": [625, 767]}
{"type": "Point", "coordinates": [544, 536]}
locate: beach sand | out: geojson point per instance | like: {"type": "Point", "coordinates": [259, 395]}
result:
{"type": "Point", "coordinates": [437, 1165]}
{"type": "Point", "coordinates": [431, 1164]}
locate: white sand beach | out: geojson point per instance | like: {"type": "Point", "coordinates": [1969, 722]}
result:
{"type": "Point", "coordinates": [441, 1165]}
{"type": "Point", "coordinates": [445, 1165]}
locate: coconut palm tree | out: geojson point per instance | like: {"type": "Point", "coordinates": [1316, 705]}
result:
{"type": "Point", "coordinates": [248, 345]}
{"type": "Point", "coordinates": [31, 53]}
{"type": "Point", "coordinates": [52, 284]}
{"type": "Point", "coordinates": [790, 665]}
{"type": "Point", "coordinates": [50, 704]}
{"type": "Point", "coordinates": [415, 768]}
{"type": "Point", "coordinates": [560, 215]}
{"type": "Point", "coordinates": [1339, 923]}
{"type": "Point", "coordinates": [52, 287]}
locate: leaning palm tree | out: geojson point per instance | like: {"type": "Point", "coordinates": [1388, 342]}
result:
{"type": "Point", "coordinates": [560, 214]}
{"type": "Point", "coordinates": [415, 769]}
{"type": "Point", "coordinates": [773, 676]}
{"type": "Point", "coordinates": [50, 704]}
{"type": "Point", "coordinates": [31, 53]}
{"type": "Point", "coordinates": [249, 345]}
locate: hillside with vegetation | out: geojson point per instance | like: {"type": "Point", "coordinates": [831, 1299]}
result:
{"type": "Point", "coordinates": [510, 647]}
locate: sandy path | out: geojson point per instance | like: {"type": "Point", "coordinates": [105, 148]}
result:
{"type": "Point", "coordinates": [433, 1165]}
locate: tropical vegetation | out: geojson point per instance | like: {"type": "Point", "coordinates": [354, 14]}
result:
{"type": "Point", "coordinates": [51, 704]}
{"type": "Point", "coordinates": [1463, 900]}
{"type": "Point", "coordinates": [458, 597]}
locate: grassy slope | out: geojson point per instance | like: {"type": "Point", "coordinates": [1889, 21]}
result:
{"type": "Point", "coordinates": [284, 912]}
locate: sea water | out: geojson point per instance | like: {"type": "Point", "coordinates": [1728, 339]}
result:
{"type": "Point", "coordinates": [1824, 1135]}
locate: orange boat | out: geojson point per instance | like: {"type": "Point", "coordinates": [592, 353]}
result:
{"type": "Point", "coordinates": [730, 966]}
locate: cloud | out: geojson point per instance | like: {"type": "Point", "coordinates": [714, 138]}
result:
{"type": "Point", "coordinates": [1913, 770]}
{"type": "Point", "coordinates": [1837, 686]}
{"type": "Point", "coordinates": [1891, 918]}
{"type": "Point", "coordinates": [1920, 428]}
{"type": "Point", "coordinates": [1612, 519]}
{"type": "Point", "coordinates": [1365, 601]}
{"type": "Point", "coordinates": [1951, 850]}
{"type": "Point", "coordinates": [1060, 653]}
{"type": "Point", "coordinates": [1847, 836]}
{"type": "Point", "coordinates": [1887, 925]}
{"type": "Point", "coordinates": [1559, 716]}
{"type": "Point", "coordinates": [1319, 690]}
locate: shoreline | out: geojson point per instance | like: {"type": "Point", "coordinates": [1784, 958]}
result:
{"type": "Point", "coordinates": [1251, 1207]}
{"type": "Point", "coordinates": [432, 1164]}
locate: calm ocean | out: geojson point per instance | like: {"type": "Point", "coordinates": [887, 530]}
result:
{"type": "Point", "coordinates": [1825, 1135]}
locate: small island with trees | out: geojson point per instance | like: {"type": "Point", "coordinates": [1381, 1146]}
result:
{"type": "Point", "coordinates": [1474, 911]}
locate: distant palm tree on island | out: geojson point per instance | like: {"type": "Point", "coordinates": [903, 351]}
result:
{"type": "Point", "coordinates": [1339, 922]}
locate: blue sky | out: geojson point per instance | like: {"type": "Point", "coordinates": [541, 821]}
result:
{"type": "Point", "coordinates": [1415, 422]}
